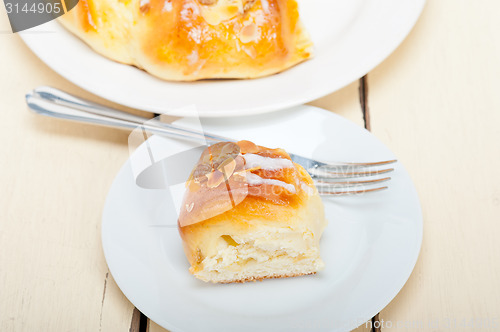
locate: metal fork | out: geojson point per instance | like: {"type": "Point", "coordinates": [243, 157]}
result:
{"type": "Point", "coordinates": [330, 178]}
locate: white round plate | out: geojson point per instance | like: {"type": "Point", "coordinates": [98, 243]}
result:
{"type": "Point", "coordinates": [351, 37]}
{"type": "Point", "coordinates": [370, 246]}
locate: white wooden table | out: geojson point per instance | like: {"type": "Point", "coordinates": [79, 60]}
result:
{"type": "Point", "coordinates": [435, 102]}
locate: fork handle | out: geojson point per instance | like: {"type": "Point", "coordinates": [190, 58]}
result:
{"type": "Point", "coordinates": [56, 103]}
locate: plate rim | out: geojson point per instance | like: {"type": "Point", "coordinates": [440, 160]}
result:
{"type": "Point", "coordinates": [357, 72]}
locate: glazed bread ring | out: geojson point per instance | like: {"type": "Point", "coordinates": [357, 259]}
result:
{"type": "Point", "coordinates": [186, 40]}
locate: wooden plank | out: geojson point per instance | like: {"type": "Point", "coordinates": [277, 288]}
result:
{"type": "Point", "coordinates": [55, 176]}
{"type": "Point", "coordinates": [52, 271]}
{"type": "Point", "coordinates": [345, 102]}
{"type": "Point", "coordinates": [435, 103]}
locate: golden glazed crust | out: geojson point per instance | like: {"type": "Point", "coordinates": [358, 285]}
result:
{"type": "Point", "coordinates": [237, 231]}
{"type": "Point", "coordinates": [186, 40]}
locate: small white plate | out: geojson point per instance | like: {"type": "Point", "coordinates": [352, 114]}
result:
{"type": "Point", "coordinates": [370, 246]}
{"type": "Point", "coordinates": [351, 37]}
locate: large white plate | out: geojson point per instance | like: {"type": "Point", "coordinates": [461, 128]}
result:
{"type": "Point", "coordinates": [351, 38]}
{"type": "Point", "coordinates": [370, 246]}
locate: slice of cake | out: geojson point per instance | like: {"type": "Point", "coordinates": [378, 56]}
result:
{"type": "Point", "coordinates": [250, 213]}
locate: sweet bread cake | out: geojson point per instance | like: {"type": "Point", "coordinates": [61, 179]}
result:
{"type": "Point", "coordinates": [186, 40]}
{"type": "Point", "coordinates": [250, 213]}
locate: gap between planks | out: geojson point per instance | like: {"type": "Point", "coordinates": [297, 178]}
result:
{"type": "Point", "coordinates": [103, 297]}
{"type": "Point", "coordinates": [139, 322]}
{"type": "Point", "coordinates": [363, 100]}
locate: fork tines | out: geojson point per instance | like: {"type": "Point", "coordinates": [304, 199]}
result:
{"type": "Point", "coordinates": [330, 179]}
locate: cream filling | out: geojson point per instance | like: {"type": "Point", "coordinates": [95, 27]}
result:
{"type": "Point", "coordinates": [255, 248]}
{"type": "Point", "coordinates": [266, 163]}
{"type": "Point", "coordinates": [255, 180]}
